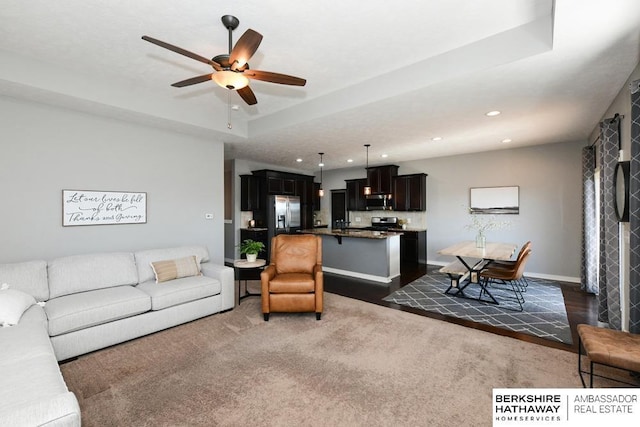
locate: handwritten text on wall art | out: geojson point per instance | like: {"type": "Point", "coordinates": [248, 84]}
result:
{"type": "Point", "coordinates": [80, 207]}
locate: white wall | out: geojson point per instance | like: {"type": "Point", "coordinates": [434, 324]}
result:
{"type": "Point", "coordinates": [45, 149]}
{"type": "Point", "coordinates": [550, 216]}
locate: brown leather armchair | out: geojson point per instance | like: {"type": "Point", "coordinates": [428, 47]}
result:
{"type": "Point", "coordinates": [293, 280]}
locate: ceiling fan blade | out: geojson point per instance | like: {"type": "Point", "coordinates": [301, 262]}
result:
{"type": "Point", "coordinates": [244, 49]}
{"type": "Point", "coordinates": [193, 80]}
{"type": "Point", "coordinates": [268, 76]}
{"type": "Point", "coordinates": [181, 51]}
{"type": "Point", "coordinates": [247, 94]}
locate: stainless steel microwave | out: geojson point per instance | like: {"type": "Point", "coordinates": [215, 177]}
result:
{"type": "Point", "coordinates": [378, 202]}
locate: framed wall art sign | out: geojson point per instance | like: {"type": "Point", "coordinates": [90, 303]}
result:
{"type": "Point", "coordinates": [85, 207]}
{"type": "Point", "coordinates": [494, 200]}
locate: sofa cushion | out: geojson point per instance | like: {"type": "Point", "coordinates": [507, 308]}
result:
{"type": "Point", "coordinates": [179, 291]}
{"type": "Point", "coordinates": [145, 258]}
{"type": "Point", "coordinates": [79, 273]}
{"type": "Point", "coordinates": [29, 277]}
{"type": "Point", "coordinates": [24, 341]}
{"type": "Point", "coordinates": [28, 366]}
{"type": "Point", "coordinates": [82, 310]}
{"type": "Point", "coordinates": [175, 268]}
{"type": "Point", "coordinates": [12, 304]}
{"type": "Point", "coordinates": [61, 410]}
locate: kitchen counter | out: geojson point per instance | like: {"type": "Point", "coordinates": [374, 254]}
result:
{"type": "Point", "coordinates": [351, 232]}
{"type": "Point", "coordinates": [408, 229]}
{"type": "Point", "coordinates": [365, 254]}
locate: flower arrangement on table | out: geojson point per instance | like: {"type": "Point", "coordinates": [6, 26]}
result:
{"type": "Point", "coordinates": [483, 223]}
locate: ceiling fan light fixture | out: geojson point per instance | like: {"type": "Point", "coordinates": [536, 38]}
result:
{"type": "Point", "coordinates": [230, 80]}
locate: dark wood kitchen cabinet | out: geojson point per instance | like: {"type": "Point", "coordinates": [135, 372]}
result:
{"type": "Point", "coordinates": [280, 183]}
{"type": "Point", "coordinates": [274, 182]}
{"type": "Point", "coordinates": [355, 194]}
{"type": "Point", "coordinates": [250, 195]}
{"type": "Point", "coordinates": [413, 247]}
{"type": "Point", "coordinates": [410, 192]}
{"type": "Point", "coordinates": [381, 178]}
{"type": "Point", "coordinates": [277, 185]}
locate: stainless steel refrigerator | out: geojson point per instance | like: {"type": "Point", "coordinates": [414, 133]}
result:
{"type": "Point", "coordinates": [283, 216]}
{"type": "Point", "coordinates": [286, 214]}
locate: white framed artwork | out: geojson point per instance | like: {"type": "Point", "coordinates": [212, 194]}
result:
{"type": "Point", "coordinates": [87, 207]}
{"type": "Point", "coordinates": [494, 200]}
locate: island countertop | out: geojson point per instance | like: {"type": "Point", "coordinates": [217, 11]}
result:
{"type": "Point", "coordinates": [362, 234]}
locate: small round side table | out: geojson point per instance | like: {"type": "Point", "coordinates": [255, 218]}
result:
{"type": "Point", "coordinates": [244, 264]}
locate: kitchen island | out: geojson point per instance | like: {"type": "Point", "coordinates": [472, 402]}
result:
{"type": "Point", "coordinates": [365, 254]}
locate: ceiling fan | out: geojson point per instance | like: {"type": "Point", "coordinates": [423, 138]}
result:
{"type": "Point", "coordinates": [232, 70]}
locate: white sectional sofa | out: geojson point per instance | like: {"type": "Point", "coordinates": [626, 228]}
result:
{"type": "Point", "coordinates": [92, 302]}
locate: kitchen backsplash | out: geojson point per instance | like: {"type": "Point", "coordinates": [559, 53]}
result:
{"type": "Point", "coordinates": [415, 219]}
{"type": "Point", "coordinates": [245, 217]}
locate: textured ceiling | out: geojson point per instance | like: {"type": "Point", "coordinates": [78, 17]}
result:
{"type": "Point", "coordinates": [391, 74]}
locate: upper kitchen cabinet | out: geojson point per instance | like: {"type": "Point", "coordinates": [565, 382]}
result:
{"type": "Point", "coordinates": [381, 178]}
{"type": "Point", "coordinates": [355, 194]}
{"type": "Point", "coordinates": [279, 183]}
{"type": "Point", "coordinates": [250, 195]}
{"type": "Point", "coordinates": [410, 192]}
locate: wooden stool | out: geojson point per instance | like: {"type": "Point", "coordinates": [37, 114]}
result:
{"type": "Point", "coordinates": [608, 347]}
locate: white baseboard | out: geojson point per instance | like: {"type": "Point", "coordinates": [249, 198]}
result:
{"type": "Point", "coordinates": [554, 277]}
{"type": "Point", "coordinates": [370, 277]}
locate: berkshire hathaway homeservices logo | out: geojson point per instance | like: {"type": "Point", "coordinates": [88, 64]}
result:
{"type": "Point", "coordinates": [566, 407]}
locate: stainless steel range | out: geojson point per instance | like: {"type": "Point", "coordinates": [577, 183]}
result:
{"type": "Point", "coordinates": [383, 223]}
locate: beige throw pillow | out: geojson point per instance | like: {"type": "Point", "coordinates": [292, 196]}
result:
{"type": "Point", "coordinates": [175, 268]}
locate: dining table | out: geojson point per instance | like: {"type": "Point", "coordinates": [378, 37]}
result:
{"type": "Point", "coordinates": [470, 262]}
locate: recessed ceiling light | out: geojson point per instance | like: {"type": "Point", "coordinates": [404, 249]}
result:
{"type": "Point", "coordinates": [493, 113]}
{"type": "Point", "coordinates": [436, 138]}
{"type": "Point", "coordinates": [349, 160]}
{"type": "Point", "coordinates": [384, 155]}
{"type": "Point", "coordinates": [298, 160]}
{"type": "Point", "coordinates": [235, 107]}
{"type": "Point", "coordinates": [506, 140]}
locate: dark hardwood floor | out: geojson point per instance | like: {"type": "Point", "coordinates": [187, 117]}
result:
{"type": "Point", "coordinates": [581, 307]}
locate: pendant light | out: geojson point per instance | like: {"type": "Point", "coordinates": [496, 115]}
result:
{"type": "Point", "coordinates": [321, 191]}
{"type": "Point", "coordinates": [367, 188]}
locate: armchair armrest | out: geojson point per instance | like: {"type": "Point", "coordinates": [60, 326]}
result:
{"type": "Point", "coordinates": [318, 278]}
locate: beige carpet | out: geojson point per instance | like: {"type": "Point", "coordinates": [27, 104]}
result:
{"type": "Point", "coordinates": [361, 365]}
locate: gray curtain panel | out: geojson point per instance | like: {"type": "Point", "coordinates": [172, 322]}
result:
{"type": "Point", "coordinates": [609, 278]}
{"type": "Point", "coordinates": [589, 267]}
{"type": "Point", "coordinates": [634, 211]}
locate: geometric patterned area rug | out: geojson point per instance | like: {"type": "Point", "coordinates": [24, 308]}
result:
{"type": "Point", "coordinates": [543, 315]}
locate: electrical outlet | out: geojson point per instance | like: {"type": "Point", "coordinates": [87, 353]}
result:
{"type": "Point", "coordinates": [208, 216]}
{"type": "Point", "coordinates": [408, 220]}
{"type": "Point", "coordinates": [358, 219]}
